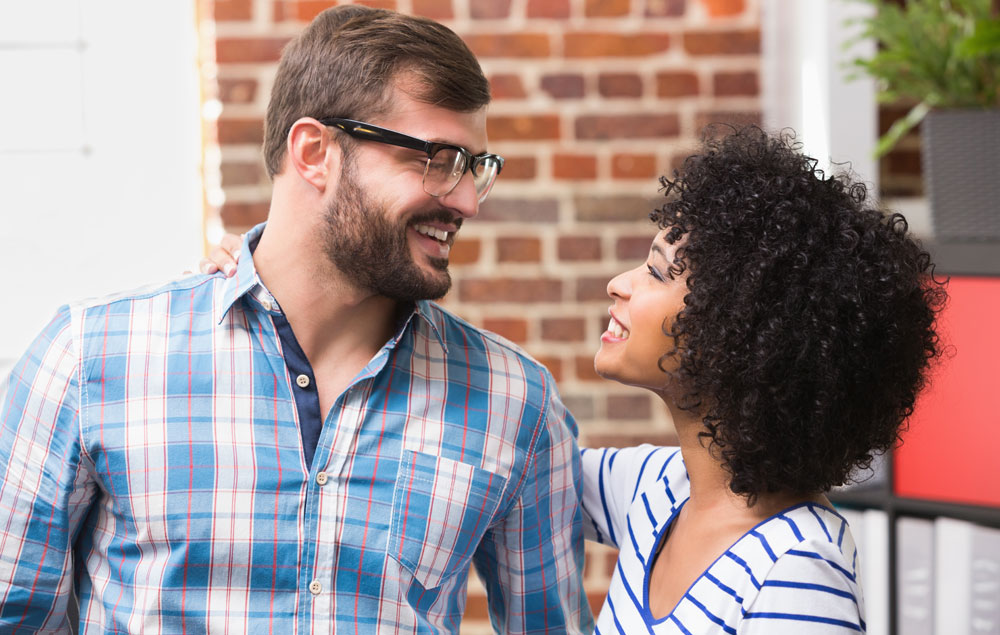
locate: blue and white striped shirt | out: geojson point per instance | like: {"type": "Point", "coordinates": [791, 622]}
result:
{"type": "Point", "coordinates": [796, 572]}
{"type": "Point", "coordinates": [152, 456]}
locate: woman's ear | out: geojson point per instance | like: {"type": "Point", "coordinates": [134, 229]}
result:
{"type": "Point", "coordinates": [312, 152]}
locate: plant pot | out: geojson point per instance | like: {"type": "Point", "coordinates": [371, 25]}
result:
{"type": "Point", "coordinates": [961, 166]}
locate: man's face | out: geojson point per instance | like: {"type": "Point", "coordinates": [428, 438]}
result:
{"type": "Point", "coordinates": [382, 230]}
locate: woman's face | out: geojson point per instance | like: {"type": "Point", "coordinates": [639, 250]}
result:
{"type": "Point", "coordinates": [646, 299]}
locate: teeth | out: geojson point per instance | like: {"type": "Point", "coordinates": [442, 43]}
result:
{"type": "Point", "coordinates": [433, 232]}
{"type": "Point", "coordinates": [617, 329]}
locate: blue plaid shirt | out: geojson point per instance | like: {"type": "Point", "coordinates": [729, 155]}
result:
{"type": "Point", "coordinates": [154, 455]}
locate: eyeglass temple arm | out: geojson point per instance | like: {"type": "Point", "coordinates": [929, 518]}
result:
{"type": "Point", "coordinates": [364, 131]}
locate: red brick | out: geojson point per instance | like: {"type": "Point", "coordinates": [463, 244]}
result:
{"type": "Point", "coordinates": [563, 85]}
{"type": "Point", "coordinates": [518, 45]}
{"type": "Point", "coordinates": [238, 217]}
{"type": "Point", "coordinates": [596, 599]}
{"type": "Point", "coordinates": [514, 249]}
{"type": "Point", "coordinates": [563, 329]}
{"type": "Point", "coordinates": [523, 127]}
{"type": "Point", "coordinates": [592, 289]}
{"type": "Point", "coordinates": [306, 10]}
{"type": "Point", "coordinates": [632, 248]}
{"type": "Point", "coordinates": [606, 8]}
{"type": "Point", "coordinates": [552, 9]}
{"type": "Point", "coordinates": [576, 248]}
{"type": "Point", "coordinates": [575, 167]}
{"type": "Point", "coordinates": [619, 85]}
{"type": "Point", "coordinates": [476, 608]}
{"type": "Point", "coordinates": [242, 173]}
{"type": "Point", "coordinates": [722, 42]}
{"type": "Point", "coordinates": [434, 9]}
{"type": "Point", "coordinates": [524, 290]}
{"type": "Point", "coordinates": [237, 91]}
{"type": "Point", "coordinates": [225, 10]}
{"type": "Point", "coordinates": [519, 169]}
{"type": "Point", "coordinates": [465, 251]}
{"type": "Point", "coordinates": [635, 126]}
{"type": "Point", "coordinates": [585, 369]}
{"type": "Point", "coordinates": [582, 406]}
{"type": "Point", "coordinates": [240, 131]}
{"type": "Point", "coordinates": [489, 9]}
{"type": "Point", "coordinates": [391, 5]}
{"type": "Point", "coordinates": [615, 44]}
{"type": "Point", "coordinates": [736, 84]}
{"type": "Point", "coordinates": [676, 84]}
{"type": "Point", "coordinates": [554, 364]}
{"type": "Point", "coordinates": [518, 210]}
{"type": "Point", "coordinates": [903, 161]}
{"type": "Point", "coordinates": [507, 86]}
{"type": "Point", "coordinates": [665, 8]}
{"type": "Point", "coordinates": [633, 166]}
{"type": "Point", "coordinates": [514, 329]}
{"type": "Point", "coordinates": [737, 119]}
{"type": "Point", "coordinates": [722, 8]}
{"type": "Point", "coordinates": [619, 208]}
{"type": "Point", "coordinates": [624, 407]}
{"type": "Point", "coordinates": [254, 50]}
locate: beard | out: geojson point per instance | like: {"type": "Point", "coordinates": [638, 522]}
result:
{"type": "Point", "coordinates": [373, 251]}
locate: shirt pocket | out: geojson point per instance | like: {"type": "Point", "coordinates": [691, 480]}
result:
{"type": "Point", "coordinates": [441, 510]}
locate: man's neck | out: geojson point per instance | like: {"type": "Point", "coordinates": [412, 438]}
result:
{"type": "Point", "coordinates": [330, 317]}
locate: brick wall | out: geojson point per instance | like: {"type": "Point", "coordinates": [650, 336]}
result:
{"type": "Point", "coordinates": [593, 99]}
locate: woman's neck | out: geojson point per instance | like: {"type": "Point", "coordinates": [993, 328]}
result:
{"type": "Point", "coordinates": [710, 492]}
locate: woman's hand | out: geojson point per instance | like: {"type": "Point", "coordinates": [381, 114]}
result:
{"type": "Point", "coordinates": [223, 256]}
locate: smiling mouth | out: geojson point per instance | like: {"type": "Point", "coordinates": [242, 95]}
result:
{"type": "Point", "coordinates": [437, 234]}
{"type": "Point", "coordinates": [617, 330]}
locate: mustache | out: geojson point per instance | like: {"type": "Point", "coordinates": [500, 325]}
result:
{"type": "Point", "coordinates": [439, 216]}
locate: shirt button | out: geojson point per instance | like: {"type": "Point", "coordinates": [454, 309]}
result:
{"type": "Point", "coordinates": [266, 304]}
{"type": "Point", "coordinates": [321, 478]}
{"type": "Point", "coordinates": [302, 381]}
{"type": "Point", "coordinates": [315, 587]}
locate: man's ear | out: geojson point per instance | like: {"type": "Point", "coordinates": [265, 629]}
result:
{"type": "Point", "coordinates": [312, 152]}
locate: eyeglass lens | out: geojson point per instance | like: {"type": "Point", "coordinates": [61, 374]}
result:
{"type": "Point", "coordinates": [445, 169]}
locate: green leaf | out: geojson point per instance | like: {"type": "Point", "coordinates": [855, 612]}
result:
{"type": "Point", "coordinates": [983, 41]}
{"type": "Point", "coordinates": [899, 129]}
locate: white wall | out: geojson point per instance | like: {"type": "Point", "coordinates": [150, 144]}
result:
{"type": "Point", "coordinates": [805, 81]}
{"type": "Point", "coordinates": [100, 153]}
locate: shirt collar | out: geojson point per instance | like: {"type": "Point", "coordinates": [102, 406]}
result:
{"type": "Point", "coordinates": [246, 281]}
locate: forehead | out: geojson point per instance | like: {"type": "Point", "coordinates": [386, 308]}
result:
{"type": "Point", "coordinates": [433, 123]}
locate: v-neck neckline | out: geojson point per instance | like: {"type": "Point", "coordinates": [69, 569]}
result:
{"type": "Point", "coordinates": [661, 536]}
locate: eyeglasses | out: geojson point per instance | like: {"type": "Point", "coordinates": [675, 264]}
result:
{"type": "Point", "coordinates": [446, 163]}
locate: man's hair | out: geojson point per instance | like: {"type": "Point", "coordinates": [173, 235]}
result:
{"type": "Point", "coordinates": [345, 63]}
{"type": "Point", "coordinates": [809, 323]}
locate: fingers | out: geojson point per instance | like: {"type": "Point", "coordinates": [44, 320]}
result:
{"type": "Point", "coordinates": [223, 256]}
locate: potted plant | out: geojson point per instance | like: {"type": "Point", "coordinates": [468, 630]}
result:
{"type": "Point", "coordinates": [945, 56]}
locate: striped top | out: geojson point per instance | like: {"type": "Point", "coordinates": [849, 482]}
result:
{"type": "Point", "coordinates": [153, 441]}
{"type": "Point", "coordinates": [794, 573]}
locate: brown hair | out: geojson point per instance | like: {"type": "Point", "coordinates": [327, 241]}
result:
{"type": "Point", "coordinates": [345, 62]}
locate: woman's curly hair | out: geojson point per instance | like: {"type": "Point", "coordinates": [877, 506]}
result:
{"type": "Point", "coordinates": [810, 318]}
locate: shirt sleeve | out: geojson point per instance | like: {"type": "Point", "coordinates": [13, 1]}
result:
{"type": "Point", "coordinates": [810, 589]}
{"type": "Point", "coordinates": [532, 561]}
{"type": "Point", "coordinates": [44, 490]}
{"type": "Point", "coordinates": [612, 478]}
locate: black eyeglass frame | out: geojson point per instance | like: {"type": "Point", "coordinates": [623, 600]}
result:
{"type": "Point", "coordinates": [369, 132]}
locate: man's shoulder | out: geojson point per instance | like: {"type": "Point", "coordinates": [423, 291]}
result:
{"type": "Point", "coordinates": [459, 336]}
{"type": "Point", "coordinates": [148, 291]}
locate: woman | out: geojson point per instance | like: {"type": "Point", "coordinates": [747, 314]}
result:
{"type": "Point", "coordinates": [787, 327]}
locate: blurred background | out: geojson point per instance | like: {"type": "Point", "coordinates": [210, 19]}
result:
{"type": "Point", "coordinates": [130, 139]}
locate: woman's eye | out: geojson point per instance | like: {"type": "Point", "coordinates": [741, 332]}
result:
{"type": "Point", "coordinates": [653, 272]}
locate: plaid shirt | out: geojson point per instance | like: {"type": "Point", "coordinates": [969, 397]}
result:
{"type": "Point", "coordinates": [152, 442]}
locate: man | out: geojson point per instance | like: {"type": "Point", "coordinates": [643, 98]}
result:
{"type": "Point", "coordinates": [309, 445]}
